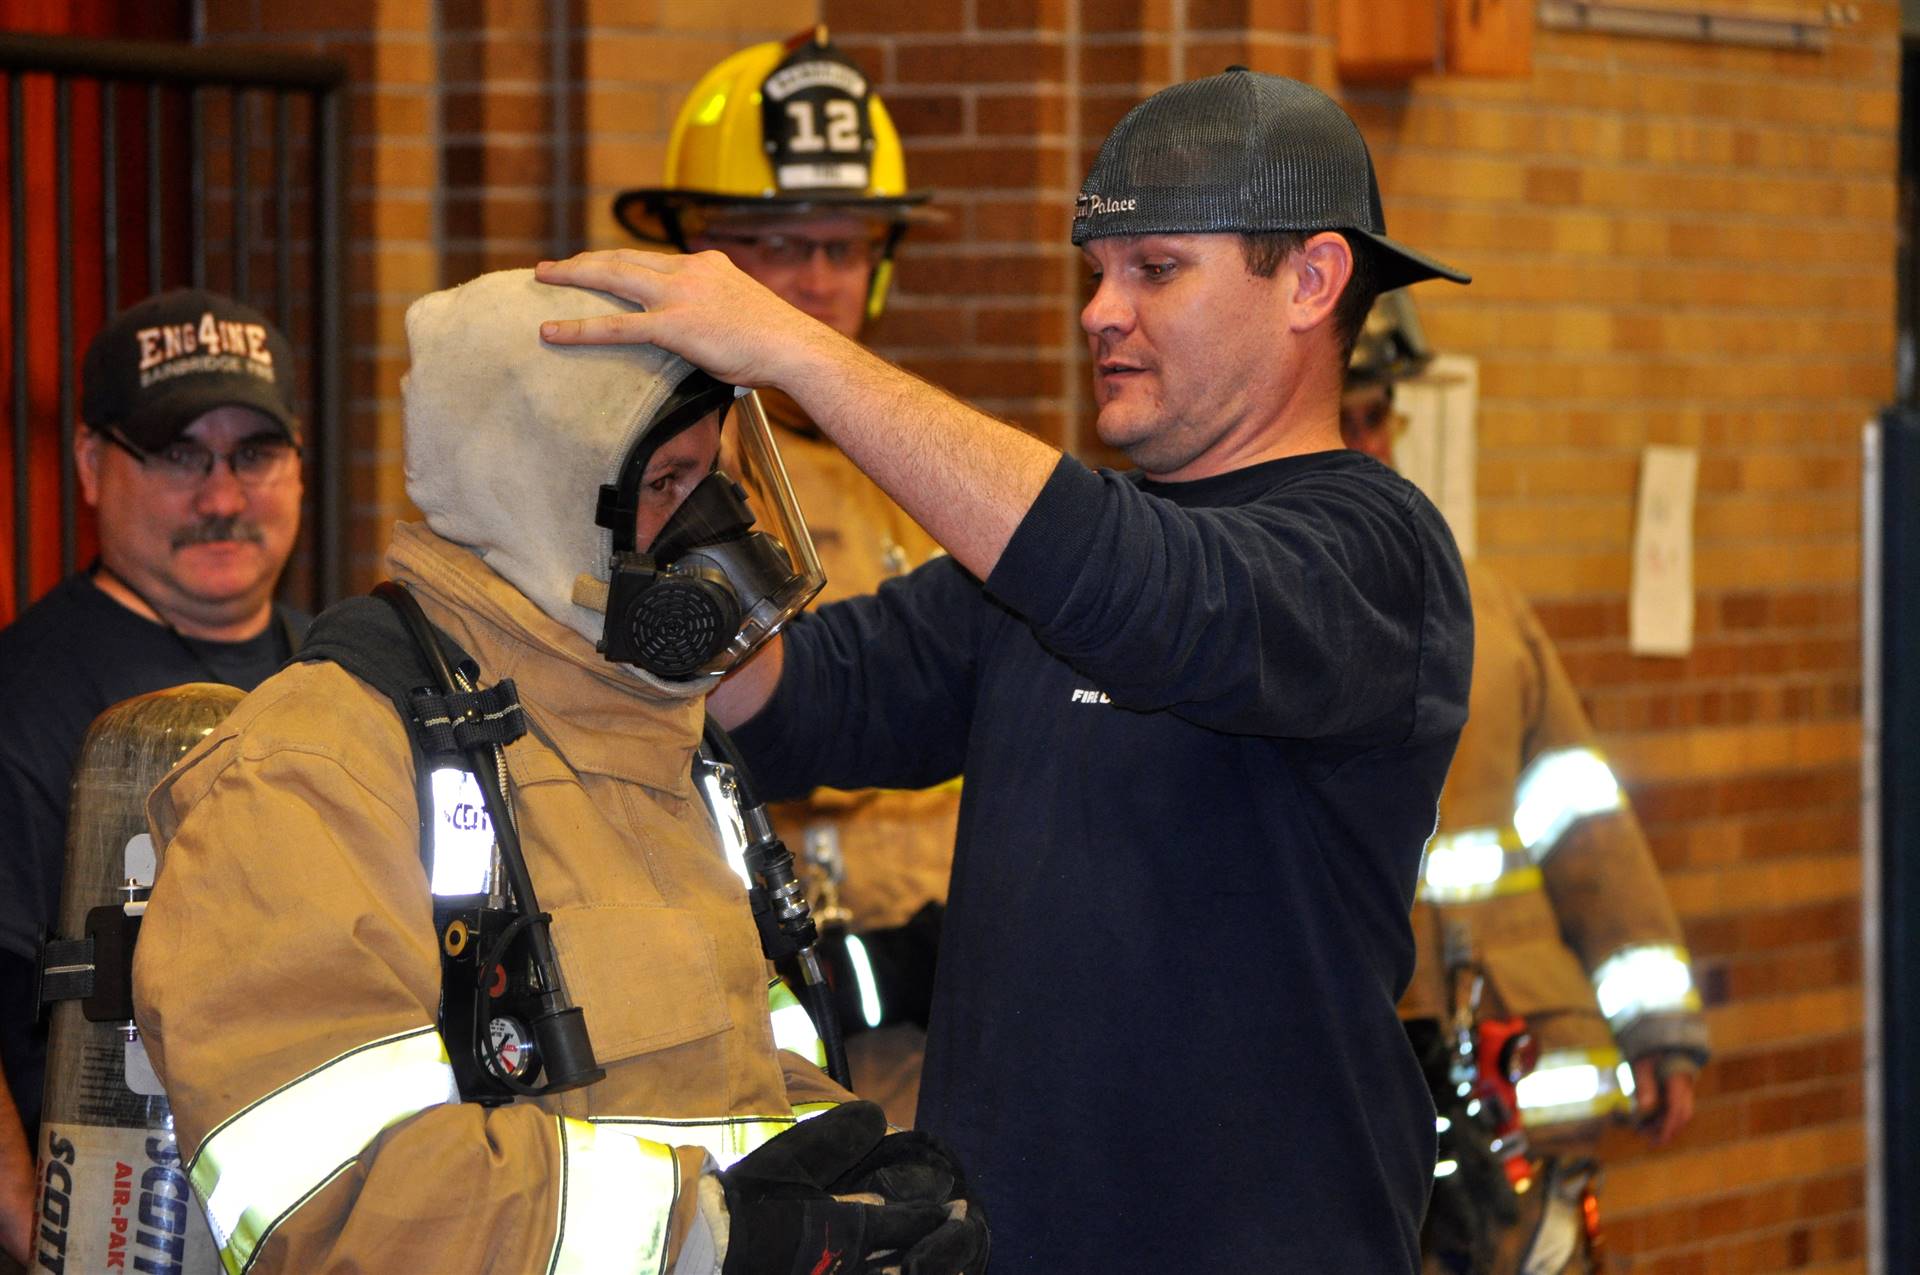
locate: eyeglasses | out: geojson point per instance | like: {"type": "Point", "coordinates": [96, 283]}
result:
{"type": "Point", "coordinates": [185, 464]}
{"type": "Point", "coordinates": [797, 250]}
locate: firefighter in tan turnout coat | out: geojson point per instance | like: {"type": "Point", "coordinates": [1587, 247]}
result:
{"type": "Point", "coordinates": [1540, 880]}
{"type": "Point", "coordinates": [291, 973]}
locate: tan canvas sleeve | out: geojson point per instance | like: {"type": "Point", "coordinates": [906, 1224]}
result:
{"type": "Point", "coordinates": [1600, 872]}
{"type": "Point", "coordinates": [289, 942]}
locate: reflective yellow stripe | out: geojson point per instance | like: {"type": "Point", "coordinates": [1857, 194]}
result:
{"type": "Point", "coordinates": [262, 1163]}
{"type": "Point", "coordinates": [725, 1138]}
{"type": "Point", "coordinates": [1575, 1084]}
{"type": "Point", "coordinates": [616, 1200]}
{"type": "Point", "coordinates": [1650, 978]}
{"type": "Point", "coordinates": [792, 1026]}
{"type": "Point", "coordinates": [1557, 791]}
{"type": "Point", "coordinates": [1477, 863]}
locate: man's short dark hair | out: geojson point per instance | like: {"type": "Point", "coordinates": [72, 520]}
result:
{"type": "Point", "coordinates": [1265, 251]}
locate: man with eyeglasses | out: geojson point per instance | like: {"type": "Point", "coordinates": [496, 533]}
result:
{"type": "Point", "coordinates": [189, 453]}
{"type": "Point", "coordinates": [784, 159]}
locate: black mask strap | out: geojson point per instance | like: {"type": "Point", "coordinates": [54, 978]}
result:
{"type": "Point", "coordinates": [693, 399]}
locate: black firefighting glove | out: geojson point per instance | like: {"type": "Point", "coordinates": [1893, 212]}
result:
{"type": "Point", "coordinates": [838, 1195]}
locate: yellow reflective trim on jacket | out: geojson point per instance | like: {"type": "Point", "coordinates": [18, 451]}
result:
{"type": "Point", "coordinates": [1558, 790]}
{"type": "Point", "coordinates": [1650, 978]}
{"type": "Point", "coordinates": [725, 1138]}
{"type": "Point", "coordinates": [792, 1026]}
{"type": "Point", "coordinates": [616, 1200]}
{"type": "Point", "coordinates": [1477, 863]}
{"type": "Point", "coordinates": [1575, 1084]}
{"type": "Point", "coordinates": [265, 1161]}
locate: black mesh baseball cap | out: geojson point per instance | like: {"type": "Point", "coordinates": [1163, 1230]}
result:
{"type": "Point", "coordinates": [1240, 153]}
{"type": "Point", "coordinates": [169, 360]}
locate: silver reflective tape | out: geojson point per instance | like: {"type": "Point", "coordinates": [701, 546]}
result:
{"type": "Point", "coordinates": [1646, 979]}
{"type": "Point", "coordinates": [1477, 863]}
{"type": "Point", "coordinates": [870, 1008]}
{"type": "Point", "coordinates": [793, 1027]}
{"type": "Point", "coordinates": [615, 1200]}
{"type": "Point", "coordinates": [462, 833]}
{"type": "Point", "coordinates": [1557, 791]}
{"type": "Point", "coordinates": [720, 793]}
{"type": "Point", "coordinates": [1574, 1085]}
{"type": "Point", "coordinates": [727, 1139]}
{"type": "Point", "coordinates": [265, 1161]}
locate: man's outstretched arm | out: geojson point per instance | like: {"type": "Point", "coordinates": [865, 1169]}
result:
{"type": "Point", "coordinates": [964, 476]}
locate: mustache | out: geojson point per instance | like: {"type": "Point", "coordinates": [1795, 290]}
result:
{"type": "Point", "coordinates": [216, 528]}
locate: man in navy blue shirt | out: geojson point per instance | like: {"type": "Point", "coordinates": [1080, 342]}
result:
{"type": "Point", "coordinates": [1204, 709]}
{"type": "Point", "coordinates": [189, 453]}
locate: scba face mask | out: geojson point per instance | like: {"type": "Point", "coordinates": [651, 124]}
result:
{"type": "Point", "coordinates": [728, 567]}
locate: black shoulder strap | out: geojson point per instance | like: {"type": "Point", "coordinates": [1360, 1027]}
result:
{"type": "Point", "coordinates": [371, 640]}
{"type": "Point", "coordinates": [366, 637]}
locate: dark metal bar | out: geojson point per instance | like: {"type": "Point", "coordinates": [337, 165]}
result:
{"type": "Point", "coordinates": [22, 404]}
{"type": "Point", "coordinates": [561, 242]}
{"type": "Point", "coordinates": [170, 63]}
{"type": "Point", "coordinates": [242, 241]}
{"type": "Point", "coordinates": [1898, 783]}
{"type": "Point", "coordinates": [329, 321]}
{"type": "Point", "coordinates": [63, 271]}
{"type": "Point", "coordinates": [156, 203]}
{"type": "Point", "coordinates": [109, 200]}
{"type": "Point", "coordinates": [197, 182]}
{"type": "Point", "coordinates": [283, 211]}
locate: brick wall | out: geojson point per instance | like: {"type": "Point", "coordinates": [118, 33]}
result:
{"type": "Point", "coordinates": [1672, 243]}
{"type": "Point", "coordinates": [485, 134]}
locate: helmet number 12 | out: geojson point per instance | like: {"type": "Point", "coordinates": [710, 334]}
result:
{"type": "Point", "coordinates": [842, 135]}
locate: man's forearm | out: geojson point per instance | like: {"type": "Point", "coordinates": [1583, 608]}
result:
{"type": "Point", "coordinates": [967, 478]}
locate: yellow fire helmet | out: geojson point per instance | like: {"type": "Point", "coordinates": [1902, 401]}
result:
{"type": "Point", "coordinates": [786, 128]}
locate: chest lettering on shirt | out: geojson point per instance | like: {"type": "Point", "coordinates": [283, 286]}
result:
{"type": "Point", "coordinates": [1090, 697]}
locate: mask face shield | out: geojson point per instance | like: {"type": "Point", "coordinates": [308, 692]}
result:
{"type": "Point", "coordinates": [696, 590]}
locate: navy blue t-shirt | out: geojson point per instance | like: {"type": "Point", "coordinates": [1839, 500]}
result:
{"type": "Point", "coordinates": [1204, 728]}
{"type": "Point", "coordinates": [70, 656]}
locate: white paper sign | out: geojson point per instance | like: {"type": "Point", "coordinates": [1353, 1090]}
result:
{"type": "Point", "coordinates": [1438, 451]}
{"type": "Point", "coordinates": [1660, 608]}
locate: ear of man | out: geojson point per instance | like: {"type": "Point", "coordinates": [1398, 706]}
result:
{"type": "Point", "coordinates": [1320, 271]}
{"type": "Point", "coordinates": [88, 447]}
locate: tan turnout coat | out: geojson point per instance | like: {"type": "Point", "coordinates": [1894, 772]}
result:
{"type": "Point", "coordinates": [1598, 889]}
{"type": "Point", "coordinates": [292, 921]}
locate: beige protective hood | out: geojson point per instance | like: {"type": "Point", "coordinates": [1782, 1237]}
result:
{"type": "Point", "coordinates": [508, 439]}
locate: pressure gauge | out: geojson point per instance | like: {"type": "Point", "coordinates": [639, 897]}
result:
{"type": "Point", "coordinates": [513, 1054]}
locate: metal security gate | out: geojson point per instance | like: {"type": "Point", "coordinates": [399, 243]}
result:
{"type": "Point", "coordinates": [138, 166]}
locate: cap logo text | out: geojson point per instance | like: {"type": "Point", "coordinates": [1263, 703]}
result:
{"type": "Point", "coordinates": [211, 345]}
{"type": "Point", "coordinates": [1095, 206]}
